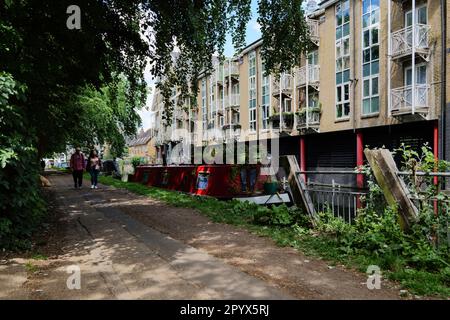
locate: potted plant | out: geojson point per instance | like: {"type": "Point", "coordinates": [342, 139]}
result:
{"type": "Point", "coordinates": [270, 186]}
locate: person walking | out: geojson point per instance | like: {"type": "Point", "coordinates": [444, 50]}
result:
{"type": "Point", "coordinates": [94, 165]}
{"type": "Point", "coordinates": [77, 165]}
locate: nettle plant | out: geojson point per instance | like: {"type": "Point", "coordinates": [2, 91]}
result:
{"type": "Point", "coordinates": [431, 200]}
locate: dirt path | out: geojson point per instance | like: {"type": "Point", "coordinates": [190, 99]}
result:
{"type": "Point", "coordinates": [133, 247]}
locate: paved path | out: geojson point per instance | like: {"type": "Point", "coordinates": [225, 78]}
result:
{"type": "Point", "coordinates": [121, 258]}
{"type": "Point", "coordinates": [133, 247]}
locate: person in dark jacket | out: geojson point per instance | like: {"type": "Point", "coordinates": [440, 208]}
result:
{"type": "Point", "coordinates": [77, 165]}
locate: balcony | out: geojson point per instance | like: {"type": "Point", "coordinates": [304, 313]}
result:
{"type": "Point", "coordinates": [287, 121]}
{"type": "Point", "coordinates": [231, 132]}
{"type": "Point", "coordinates": [231, 69]}
{"type": "Point", "coordinates": [313, 27]}
{"type": "Point", "coordinates": [179, 114]}
{"type": "Point", "coordinates": [232, 101]}
{"type": "Point", "coordinates": [283, 85]}
{"type": "Point", "coordinates": [310, 77]}
{"type": "Point", "coordinates": [402, 104]}
{"type": "Point", "coordinates": [402, 43]}
{"type": "Point", "coordinates": [308, 118]}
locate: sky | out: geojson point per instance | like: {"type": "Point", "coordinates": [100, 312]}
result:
{"type": "Point", "coordinates": [253, 33]}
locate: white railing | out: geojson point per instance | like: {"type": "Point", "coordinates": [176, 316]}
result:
{"type": "Point", "coordinates": [231, 69]}
{"type": "Point", "coordinates": [232, 132]}
{"type": "Point", "coordinates": [232, 101]}
{"type": "Point", "coordinates": [312, 119]}
{"type": "Point", "coordinates": [285, 81]}
{"type": "Point", "coordinates": [179, 114]}
{"type": "Point", "coordinates": [402, 40]}
{"type": "Point", "coordinates": [313, 74]}
{"type": "Point", "coordinates": [313, 27]}
{"type": "Point", "coordinates": [401, 98]}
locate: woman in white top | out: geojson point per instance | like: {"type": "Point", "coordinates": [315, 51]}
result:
{"type": "Point", "coordinates": [94, 166]}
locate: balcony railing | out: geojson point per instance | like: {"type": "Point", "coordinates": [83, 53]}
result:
{"type": "Point", "coordinates": [313, 27]}
{"type": "Point", "coordinates": [308, 118]}
{"type": "Point", "coordinates": [311, 77]}
{"type": "Point", "coordinates": [179, 114]}
{"type": "Point", "coordinates": [401, 99]}
{"type": "Point", "coordinates": [287, 121]}
{"type": "Point", "coordinates": [231, 132]}
{"type": "Point", "coordinates": [284, 84]}
{"type": "Point", "coordinates": [232, 101]}
{"type": "Point", "coordinates": [231, 69]}
{"type": "Point", "coordinates": [403, 44]}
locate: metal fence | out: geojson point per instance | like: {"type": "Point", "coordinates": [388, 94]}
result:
{"type": "Point", "coordinates": [439, 207]}
{"type": "Point", "coordinates": [342, 200]}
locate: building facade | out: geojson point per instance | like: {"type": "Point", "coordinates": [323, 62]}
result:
{"type": "Point", "coordinates": [143, 146]}
{"type": "Point", "coordinates": [375, 77]}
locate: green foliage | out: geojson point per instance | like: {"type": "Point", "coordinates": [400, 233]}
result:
{"type": "Point", "coordinates": [135, 162]}
{"type": "Point", "coordinates": [198, 29]}
{"type": "Point", "coordinates": [60, 86]}
{"type": "Point", "coordinates": [281, 215]}
{"type": "Point", "coordinates": [106, 116]}
{"type": "Point", "coordinates": [286, 18]}
{"type": "Point", "coordinates": [21, 205]}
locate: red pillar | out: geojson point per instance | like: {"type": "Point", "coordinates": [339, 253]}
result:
{"type": "Point", "coordinates": [436, 146]}
{"type": "Point", "coordinates": [359, 162]}
{"type": "Point", "coordinates": [303, 156]}
{"type": "Point", "coordinates": [359, 158]}
{"type": "Point", "coordinates": [436, 157]}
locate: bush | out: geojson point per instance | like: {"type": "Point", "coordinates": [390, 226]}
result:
{"type": "Point", "coordinates": [22, 207]}
{"type": "Point", "coordinates": [136, 161]}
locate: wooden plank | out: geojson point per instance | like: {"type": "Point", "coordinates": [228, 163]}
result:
{"type": "Point", "coordinates": [298, 189]}
{"type": "Point", "coordinates": [394, 189]}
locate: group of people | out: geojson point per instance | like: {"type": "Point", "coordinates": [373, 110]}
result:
{"type": "Point", "coordinates": [78, 164]}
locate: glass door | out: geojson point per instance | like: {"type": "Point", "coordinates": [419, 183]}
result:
{"type": "Point", "coordinates": [421, 88]}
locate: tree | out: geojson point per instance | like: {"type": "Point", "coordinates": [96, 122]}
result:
{"type": "Point", "coordinates": [61, 85]}
{"type": "Point", "coordinates": [50, 81]}
{"type": "Point", "coordinates": [198, 30]}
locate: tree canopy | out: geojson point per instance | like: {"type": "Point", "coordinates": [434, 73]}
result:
{"type": "Point", "coordinates": [61, 86]}
{"type": "Point", "coordinates": [198, 30]}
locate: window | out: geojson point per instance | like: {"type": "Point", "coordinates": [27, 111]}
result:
{"type": "Point", "coordinates": [370, 56]}
{"type": "Point", "coordinates": [313, 100]}
{"type": "Point", "coordinates": [421, 74]}
{"type": "Point", "coordinates": [204, 108]}
{"type": "Point", "coordinates": [421, 91]}
{"type": "Point", "coordinates": [265, 99]}
{"type": "Point", "coordinates": [252, 90]}
{"type": "Point", "coordinates": [313, 58]}
{"type": "Point", "coordinates": [342, 59]}
{"type": "Point", "coordinates": [421, 16]}
{"type": "Point", "coordinates": [212, 98]}
{"type": "Point", "coordinates": [421, 19]}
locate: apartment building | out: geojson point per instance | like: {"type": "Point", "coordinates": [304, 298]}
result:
{"type": "Point", "coordinates": [375, 77]}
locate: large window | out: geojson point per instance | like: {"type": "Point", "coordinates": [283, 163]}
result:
{"type": "Point", "coordinates": [343, 59]}
{"type": "Point", "coordinates": [265, 98]}
{"type": "Point", "coordinates": [252, 89]}
{"type": "Point", "coordinates": [204, 108]}
{"type": "Point", "coordinates": [370, 56]}
{"type": "Point", "coordinates": [421, 16]}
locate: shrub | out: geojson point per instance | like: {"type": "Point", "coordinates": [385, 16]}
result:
{"type": "Point", "coordinates": [22, 207]}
